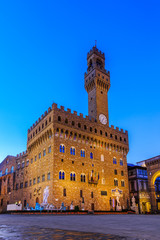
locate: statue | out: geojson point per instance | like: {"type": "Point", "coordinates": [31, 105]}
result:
{"type": "Point", "coordinates": [118, 206]}
{"type": "Point", "coordinates": [72, 206]}
{"type": "Point", "coordinates": [45, 195]}
{"type": "Point", "coordinates": [134, 206]}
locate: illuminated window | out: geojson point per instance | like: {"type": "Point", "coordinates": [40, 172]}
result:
{"type": "Point", "coordinates": [122, 183]}
{"type": "Point", "coordinates": [83, 177]}
{"type": "Point", "coordinates": [73, 177]}
{"type": "Point", "coordinates": [62, 148]}
{"type": "Point", "coordinates": [72, 151]}
{"type": "Point", "coordinates": [61, 175]}
{"type": "Point", "coordinates": [115, 182]}
{"type": "Point", "coordinates": [82, 153]}
{"type": "Point", "coordinates": [121, 162]}
{"type": "Point", "coordinates": [114, 160]}
{"type": "Point", "coordinates": [91, 155]}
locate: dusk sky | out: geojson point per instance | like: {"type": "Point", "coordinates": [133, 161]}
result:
{"type": "Point", "coordinates": [43, 51]}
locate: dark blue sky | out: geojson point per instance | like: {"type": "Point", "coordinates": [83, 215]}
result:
{"type": "Point", "coordinates": [43, 49]}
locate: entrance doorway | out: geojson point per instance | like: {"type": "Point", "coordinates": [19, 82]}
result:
{"type": "Point", "coordinates": [37, 200]}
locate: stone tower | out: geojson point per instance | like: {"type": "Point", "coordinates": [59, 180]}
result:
{"type": "Point", "coordinates": [97, 84]}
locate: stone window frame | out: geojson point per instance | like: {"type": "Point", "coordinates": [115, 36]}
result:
{"type": "Point", "coordinates": [23, 164]}
{"type": "Point", "coordinates": [121, 162]}
{"type": "Point", "coordinates": [122, 183]}
{"type": "Point", "coordinates": [83, 177]}
{"type": "Point", "coordinates": [83, 153]}
{"type": "Point", "coordinates": [73, 176]}
{"type": "Point", "coordinates": [61, 175]}
{"type": "Point", "coordinates": [115, 182]}
{"type": "Point", "coordinates": [62, 148]}
{"type": "Point", "coordinates": [44, 152]}
{"type": "Point", "coordinates": [114, 160]}
{"type": "Point", "coordinates": [48, 176]}
{"type": "Point", "coordinates": [73, 151]}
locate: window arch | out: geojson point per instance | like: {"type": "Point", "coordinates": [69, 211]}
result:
{"type": "Point", "coordinates": [115, 182]}
{"type": "Point", "coordinates": [91, 155]}
{"type": "Point", "coordinates": [61, 175]}
{"type": "Point", "coordinates": [62, 148]}
{"type": "Point", "coordinates": [82, 153]}
{"type": "Point", "coordinates": [23, 164]}
{"type": "Point", "coordinates": [83, 177]}
{"type": "Point", "coordinates": [6, 172]}
{"type": "Point", "coordinates": [114, 160]}
{"type": "Point", "coordinates": [73, 176]}
{"type": "Point", "coordinates": [72, 151]}
{"type": "Point", "coordinates": [12, 169]}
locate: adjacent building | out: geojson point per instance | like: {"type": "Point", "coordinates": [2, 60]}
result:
{"type": "Point", "coordinates": [79, 159]}
{"type": "Point", "coordinates": [138, 187]}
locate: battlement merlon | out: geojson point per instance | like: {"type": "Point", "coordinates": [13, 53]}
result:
{"type": "Point", "coordinates": [95, 50]}
{"type": "Point", "coordinates": [86, 120]}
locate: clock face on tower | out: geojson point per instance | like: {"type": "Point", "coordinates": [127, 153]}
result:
{"type": "Point", "coordinates": [103, 119]}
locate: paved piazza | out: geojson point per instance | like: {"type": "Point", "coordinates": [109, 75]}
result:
{"type": "Point", "coordinates": [117, 227]}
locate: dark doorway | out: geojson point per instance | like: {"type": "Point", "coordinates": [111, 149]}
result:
{"type": "Point", "coordinates": [37, 200]}
{"type": "Point", "coordinates": [92, 206]}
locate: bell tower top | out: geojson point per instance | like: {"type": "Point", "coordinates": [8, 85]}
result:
{"type": "Point", "coordinates": [97, 84]}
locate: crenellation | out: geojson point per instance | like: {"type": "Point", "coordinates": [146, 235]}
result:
{"type": "Point", "coordinates": [75, 113]}
{"type": "Point", "coordinates": [62, 108]}
{"type": "Point", "coordinates": [81, 115]}
{"type": "Point", "coordinates": [121, 130]}
{"type": "Point", "coordinates": [68, 110]}
{"type": "Point", "coordinates": [117, 129]}
{"type": "Point", "coordinates": [112, 126]}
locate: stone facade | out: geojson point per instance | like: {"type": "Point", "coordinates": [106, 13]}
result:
{"type": "Point", "coordinates": [81, 159]}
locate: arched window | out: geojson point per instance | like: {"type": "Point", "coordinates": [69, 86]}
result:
{"type": "Point", "coordinates": [73, 177]}
{"type": "Point", "coordinates": [1, 173]}
{"type": "Point", "coordinates": [114, 160]}
{"type": "Point", "coordinates": [27, 163]}
{"type": "Point", "coordinates": [83, 177]}
{"type": "Point", "coordinates": [61, 175]}
{"type": "Point", "coordinates": [23, 164]}
{"type": "Point", "coordinates": [62, 148]}
{"type": "Point", "coordinates": [12, 169]}
{"type": "Point", "coordinates": [115, 182]}
{"type": "Point", "coordinates": [122, 183]}
{"type": "Point", "coordinates": [121, 162]}
{"type": "Point", "coordinates": [91, 155]}
{"type": "Point", "coordinates": [6, 172]}
{"type": "Point", "coordinates": [72, 151]}
{"type": "Point", "coordinates": [82, 153]}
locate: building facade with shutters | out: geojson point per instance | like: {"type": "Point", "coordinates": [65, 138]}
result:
{"type": "Point", "coordinates": [82, 160]}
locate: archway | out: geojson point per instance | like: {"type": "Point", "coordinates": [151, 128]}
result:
{"type": "Point", "coordinates": [37, 200]}
{"type": "Point", "coordinates": [157, 192]}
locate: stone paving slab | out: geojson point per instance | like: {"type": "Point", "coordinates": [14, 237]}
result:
{"type": "Point", "coordinates": [146, 227]}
